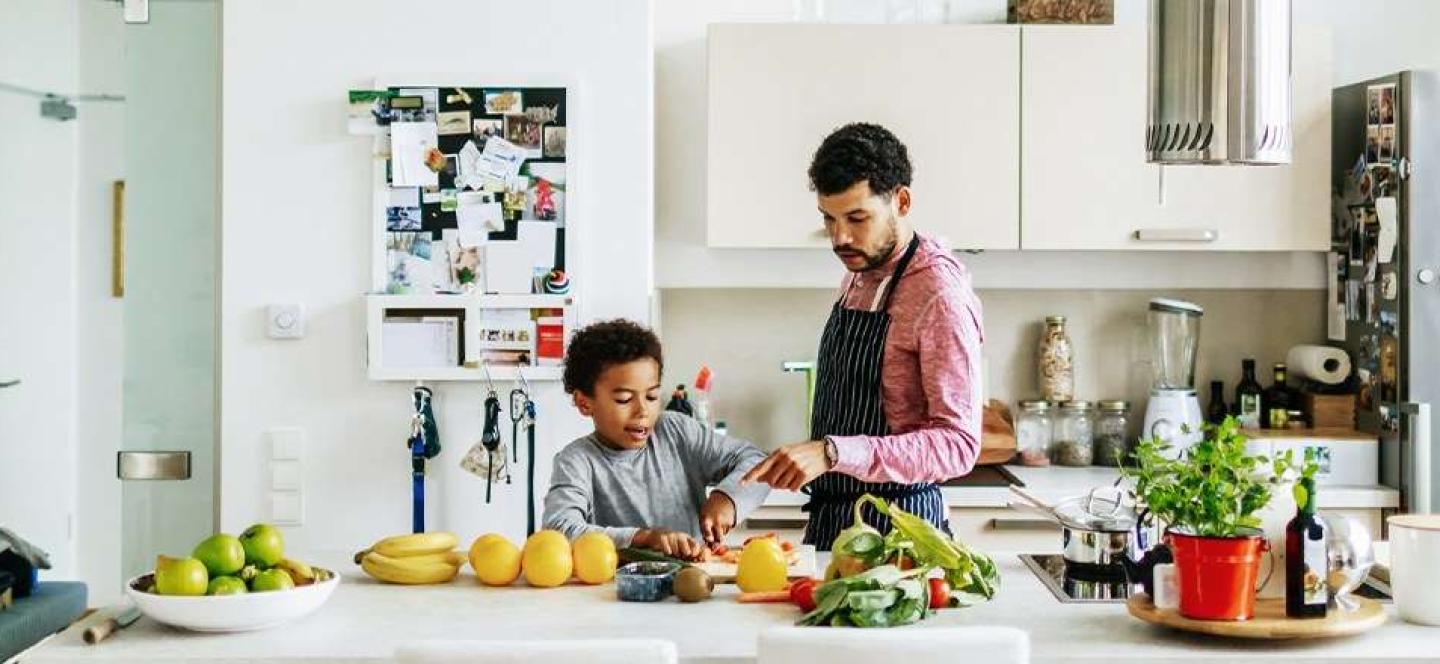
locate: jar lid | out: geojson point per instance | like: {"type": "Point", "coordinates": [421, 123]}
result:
{"type": "Point", "coordinates": [1176, 307]}
{"type": "Point", "coordinates": [1075, 405]}
{"type": "Point", "coordinates": [1037, 405]}
{"type": "Point", "coordinates": [1115, 405]}
{"type": "Point", "coordinates": [1055, 320]}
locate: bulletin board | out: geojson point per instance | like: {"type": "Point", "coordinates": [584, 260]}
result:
{"type": "Point", "coordinates": [471, 188]}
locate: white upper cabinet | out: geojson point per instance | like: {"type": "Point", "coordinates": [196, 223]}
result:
{"type": "Point", "coordinates": [950, 92]}
{"type": "Point", "coordinates": [1085, 184]}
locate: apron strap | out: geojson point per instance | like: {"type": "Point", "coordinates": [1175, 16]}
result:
{"type": "Point", "coordinates": [899, 271]}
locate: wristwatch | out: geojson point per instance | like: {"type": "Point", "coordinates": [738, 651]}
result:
{"type": "Point", "coordinates": [832, 455]}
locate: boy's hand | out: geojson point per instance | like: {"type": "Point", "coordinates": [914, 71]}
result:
{"type": "Point", "coordinates": [717, 517]}
{"type": "Point", "coordinates": [669, 542]}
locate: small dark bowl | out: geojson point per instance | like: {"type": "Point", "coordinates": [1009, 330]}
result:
{"type": "Point", "coordinates": [645, 581]}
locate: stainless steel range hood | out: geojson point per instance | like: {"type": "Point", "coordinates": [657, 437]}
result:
{"type": "Point", "coordinates": [1219, 82]}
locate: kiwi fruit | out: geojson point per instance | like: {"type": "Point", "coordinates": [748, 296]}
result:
{"type": "Point", "coordinates": [692, 584]}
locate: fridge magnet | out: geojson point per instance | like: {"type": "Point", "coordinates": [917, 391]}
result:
{"type": "Point", "coordinates": [523, 133]}
{"type": "Point", "coordinates": [503, 102]}
{"type": "Point", "coordinates": [402, 218]}
{"type": "Point", "coordinates": [1387, 143]}
{"type": "Point", "coordinates": [407, 108]}
{"type": "Point", "coordinates": [1372, 144]}
{"type": "Point", "coordinates": [1387, 105]}
{"type": "Point", "coordinates": [1389, 287]}
{"type": "Point", "coordinates": [435, 160]}
{"type": "Point", "coordinates": [369, 110]}
{"type": "Point", "coordinates": [454, 123]}
{"type": "Point", "coordinates": [483, 129]}
{"type": "Point", "coordinates": [554, 143]}
{"type": "Point", "coordinates": [429, 101]}
{"type": "Point", "coordinates": [1372, 106]}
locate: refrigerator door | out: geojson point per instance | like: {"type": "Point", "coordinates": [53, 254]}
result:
{"type": "Point", "coordinates": [1418, 136]}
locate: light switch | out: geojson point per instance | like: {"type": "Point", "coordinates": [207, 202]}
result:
{"type": "Point", "coordinates": [285, 321]}
{"type": "Point", "coordinates": [285, 475]}
{"type": "Point", "coordinates": [287, 443]}
{"type": "Point", "coordinates": [286, 508]}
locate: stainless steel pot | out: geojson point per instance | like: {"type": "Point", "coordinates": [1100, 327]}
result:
{"type": "Point", "coordinates": [1097, 548]}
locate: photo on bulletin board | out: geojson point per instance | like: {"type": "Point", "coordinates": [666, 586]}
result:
{"type": "Point", "coordinates": [1372, 106]}
{"type": "Point", "coordinates": [1372, 144]}
{"type": "Point", "coordinates": [524, 132]}
{"type": "Point", "coordinates": [1387, 105]}
{"type": "Point", "coordinates": [1387, 143]}
{"type": "Point", "coordinates": [503, 102]}
{"type": "Point", "coordinates": [554, 143]}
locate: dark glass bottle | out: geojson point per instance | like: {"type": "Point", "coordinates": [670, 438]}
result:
{"type": "Point", "coordinates": [1306, 562]}
{"type": "Point", "coordinates": [1216, 411]}
{"type": "Point", "coordinates": [1248, 397]}
{"type": "Point", "coordinates": [1276, 402]}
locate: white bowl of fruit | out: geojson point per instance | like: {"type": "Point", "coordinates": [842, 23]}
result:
{"type": "Point", "coordinates": [232, 584]}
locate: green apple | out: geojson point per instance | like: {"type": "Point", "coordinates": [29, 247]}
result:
{"type": "Point", "coordinates": [226, 585]}
{"type": "Point", "coordinates": [222, 554]}
{"type": "Point", "coordinates": [180, 576]}
{"type": "Point", "coordinates": [272, 579]}
{"type": "Point", "coordinates": [263, 545]}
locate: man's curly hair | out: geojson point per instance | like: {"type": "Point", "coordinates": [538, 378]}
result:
{"type": "Point", "coordinates": [860, 152]}
{"type": "Point", "coordinates": [599, 346]}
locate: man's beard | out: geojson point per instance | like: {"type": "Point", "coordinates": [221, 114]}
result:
{"type": "Point", "coordinates": [872, 261]}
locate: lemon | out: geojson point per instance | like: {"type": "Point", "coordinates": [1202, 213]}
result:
{"type": "Point", "coordinates": [595, 558]}
{"type": "Point", "coordinates": [546, 559]}
{"type": "Point", "coordinates": [496, 560]}
{"type": "Point", "coordinates": [763, 567]}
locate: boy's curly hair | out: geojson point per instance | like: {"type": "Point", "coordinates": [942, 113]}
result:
{"type": "Point", "coordinates": [601, 345]}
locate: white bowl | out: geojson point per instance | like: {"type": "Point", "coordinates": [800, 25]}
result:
{"type": "Point", "coordinates": [232, 613]}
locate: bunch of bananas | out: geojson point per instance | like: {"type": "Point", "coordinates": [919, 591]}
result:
{"type": "Point", "coordinates": [417, 559]}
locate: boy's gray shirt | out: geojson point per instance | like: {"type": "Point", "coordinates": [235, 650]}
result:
{"type": "Point", "coordinates": [661, 485]}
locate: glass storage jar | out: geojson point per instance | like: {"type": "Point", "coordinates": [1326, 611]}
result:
{"type": "Point", "coordinates": [1032, 433]}
{"type": "Point", "coordinates": [1055, 362]}
{"type": "Point", "coordinates": [1073, 443]}
{"type": "Point", "coordinates": [1112, 433]}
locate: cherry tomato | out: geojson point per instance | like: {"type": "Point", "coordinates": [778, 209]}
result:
{"type": "Point", "coordinates": [802, 594]}
{"type": "Point", "coordinates": [939, 593]}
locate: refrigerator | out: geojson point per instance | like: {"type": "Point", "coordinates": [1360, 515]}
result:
{"type": "Point", "coordinates": [1384, 305]}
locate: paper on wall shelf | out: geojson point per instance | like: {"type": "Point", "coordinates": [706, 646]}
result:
{"type": "Point", "coordinates": [410, 142]}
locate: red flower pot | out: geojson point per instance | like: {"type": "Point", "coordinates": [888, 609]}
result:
{"type": "Point", "coordinates": [1217, 575]}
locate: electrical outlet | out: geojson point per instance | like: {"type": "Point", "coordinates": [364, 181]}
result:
{"type": "Point", "coordinates": [285, 321]}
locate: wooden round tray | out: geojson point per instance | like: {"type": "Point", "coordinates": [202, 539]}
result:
{"type": "Point", "coordinates": [1269, 621]}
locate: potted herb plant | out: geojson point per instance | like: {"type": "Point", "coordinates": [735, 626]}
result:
{"type": "Point", "coordinates": [1208, 496]}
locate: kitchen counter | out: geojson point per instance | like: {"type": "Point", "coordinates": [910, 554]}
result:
{"type": "Point", "coordinates": [1053, 483]}
{"type": "Point", "coordinates": [365, 621]}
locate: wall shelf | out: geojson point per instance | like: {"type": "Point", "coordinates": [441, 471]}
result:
{"type": "Point", "coordinates": [469, 310]}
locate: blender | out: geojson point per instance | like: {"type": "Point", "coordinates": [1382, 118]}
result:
{"type": "Point", "coordinates": [1173, 412]}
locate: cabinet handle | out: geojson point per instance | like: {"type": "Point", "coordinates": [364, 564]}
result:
{"type": "Point", "coordinates": [1177, 235]}
{"type": "Point", "coordinates": [775, 523]}
{"type": "Point", "coordinates": [1024, 524]}
{"type": "Point", "coordinates": [9, 383]}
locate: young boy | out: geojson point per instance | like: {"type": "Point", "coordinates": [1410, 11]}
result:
{"type": "Point", "coordinates": [641, 476]}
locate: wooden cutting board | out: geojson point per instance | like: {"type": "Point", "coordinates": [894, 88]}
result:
{"type": "Point", "coordinates": [1269, 622]}
{"type": "Point", "coordinates": [804, 566]}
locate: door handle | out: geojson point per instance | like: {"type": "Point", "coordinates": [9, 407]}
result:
{"type": "Point", "coordinates": [169, 465]}
{"type": "Point", "coordinates": [1419, 498]}
{"type": "Point", "coordinates": [9, 383]}
{"type": "Point", "coordinates": [1177, 234]}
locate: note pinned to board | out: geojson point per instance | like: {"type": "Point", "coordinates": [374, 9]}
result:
{"type": "Point", "coordinates": [410, 142]}
{"type": "Point", "coordinates": [469, 173]}
{"type": "Point", "coordinates": [501, 159]}
{"type": "Point", "coordinates": [477, 212]}
{"type": "Point", "coordinates": [1389, 213]}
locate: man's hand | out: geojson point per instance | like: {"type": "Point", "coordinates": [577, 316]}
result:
{"type": "Point", "coordinates": [668, 542]}
{"type": "Point", "coordinates": [717, 517]}
{"type": "Point", "coordinates": [791, 467]}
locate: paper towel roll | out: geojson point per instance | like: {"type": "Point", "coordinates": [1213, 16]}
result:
{"type": "Point", "coordinates": [1321, 364]}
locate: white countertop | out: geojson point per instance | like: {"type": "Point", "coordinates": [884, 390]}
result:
{"type": "Point", "coordinates": [365, 621]}
{"type": "Point", "coordinates": [1053, 483]}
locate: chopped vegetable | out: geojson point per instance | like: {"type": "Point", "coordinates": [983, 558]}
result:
{"type": "Point", "coordinates": [764, 597]}
{"type": "Point", "coordinates": [939, 593]}
{"type": "Point", "coordinates": [802, 594]}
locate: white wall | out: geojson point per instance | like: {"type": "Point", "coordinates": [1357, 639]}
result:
{"type": "Point", "coordinates": [1376, 37]}
{"type": "Point", "coordinates": [296, 213]}
{"type": "Point", "coordinates": [100, 316]}
{"type": "Point", "coordinates": [38, 418]}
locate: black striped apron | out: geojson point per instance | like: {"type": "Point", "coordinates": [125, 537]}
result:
{"type": "Point", "coordinates": [848, 403]}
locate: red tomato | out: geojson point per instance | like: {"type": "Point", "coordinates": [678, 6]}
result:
{"type": "Point", "coordinates": [787, 546]}
{"type": "Point", "coordinates": [802, 594]}
{"type": "Point", "coordinates": [939, 593]}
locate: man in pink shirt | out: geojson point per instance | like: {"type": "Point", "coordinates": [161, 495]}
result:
{"type": "Point", "coordinates": [897, 393]}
